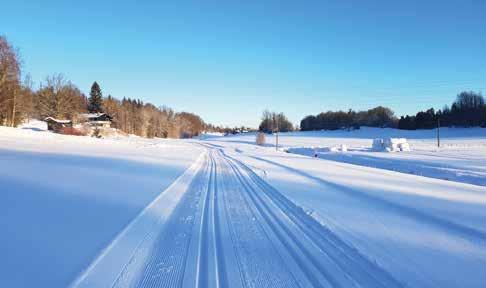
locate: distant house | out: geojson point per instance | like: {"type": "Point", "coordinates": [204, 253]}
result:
{"type": "Point", "coordinates": [56, 125]}
{"type": "Point", "coordinates": [96, 119]}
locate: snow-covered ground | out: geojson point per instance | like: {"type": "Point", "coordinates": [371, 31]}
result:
{"type": "Point", "coordinates": [90, 212]}
{"type": "Point", "coordinates": [64, 198]}
{"type": "Point", "coordinates": [461, 157]}
{"type": "Point", "coordinates": [426, 232]}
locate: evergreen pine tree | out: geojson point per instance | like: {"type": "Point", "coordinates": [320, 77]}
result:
{"type": "Point", "coordinates": [95, 99]}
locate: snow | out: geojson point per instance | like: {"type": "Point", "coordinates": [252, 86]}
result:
{"type": "Point", "coordinates": [34, 125]}
{"type": "Point", "coordinates": [58, 120]}
{"type": "Point", "coordinates": [461, 157]}
{"type": "Point", "coordinates": [377, 144]}
{"type": "Point", "coordinates": [207, 135]}
{"type": "Point", "coordinates": [64, 198]}
{"type": "Point", "coordinates": [222, 211]}
{"type": "Point", "coordinates": [343, 148]}
{"type": "Point", "coordinates": [404, 147]}
{"type": "Point", "coordinates": [390, 145]}
{"type": "Point", "coordinates": [395, 144]}
{"type": "Point", "coordinates": [426, 232]}
{"type": "Point", "coordinates": [103, 272]}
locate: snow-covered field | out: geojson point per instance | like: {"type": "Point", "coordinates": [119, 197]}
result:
{"type": "Point", "coordinates": [90, 212]}
{"type": "Point", "coordinates": [461, 157]}
{"type": "Point", "coordinates": [426, 232]}
{"type": "Point", "coordinates": [64, 198]}
{"type": "Point", "coordinates": [423, 231]}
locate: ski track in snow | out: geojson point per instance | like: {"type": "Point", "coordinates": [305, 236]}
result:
{"type": "Point", "coordinates": [466, 232]}
{"type": "Point", "coordinates": [232, 229]}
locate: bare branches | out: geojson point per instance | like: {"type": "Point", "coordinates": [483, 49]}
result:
{"type": "Point", "coordinates": [59, 98]}
{"type": "Point", "coordinates": [9, 83]}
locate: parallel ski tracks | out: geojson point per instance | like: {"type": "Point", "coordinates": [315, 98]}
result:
{"type": "Point", "coordinates": [169, 256]}
{"type": "Point", "coordinates": [342, 259]}
{"type": "Point", "coordinates": [232, 229]}
{"type": "Point", "coordinates": [210, 258]}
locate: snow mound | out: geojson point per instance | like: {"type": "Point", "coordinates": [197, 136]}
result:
{"type": "Point", "coordinates": [377, 144]}
{"type": "Point", "coordinates": [390, 144]}
{"type": "Point", "coordinates": [344, 148]}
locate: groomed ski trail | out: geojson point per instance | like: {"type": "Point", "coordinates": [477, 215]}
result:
{"type": "Point", "coordinates": [232, 229]}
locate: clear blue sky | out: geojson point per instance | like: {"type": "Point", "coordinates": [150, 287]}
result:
{"type": "Point", "coordinates": [229, 60]}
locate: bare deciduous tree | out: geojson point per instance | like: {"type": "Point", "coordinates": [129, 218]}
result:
{"type": "Point", "coordinates": [59, 98]}
{"type": "Point", "coordinates": [9, 83]}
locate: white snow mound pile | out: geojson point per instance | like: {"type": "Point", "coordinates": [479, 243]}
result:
{"type": "Point", "coordinates": [390, 144]}
{"type": "Point", "coordinates": [344, 148]}
{"type": "Point", "coordinates": [377, 144]}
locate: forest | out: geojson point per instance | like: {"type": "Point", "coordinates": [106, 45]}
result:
{"type": "Point", "coordinates": [468, 110]}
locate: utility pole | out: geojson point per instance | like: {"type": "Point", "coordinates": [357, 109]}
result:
{"type": "Point", "coordinates": [438, 132]}
{"type": "Point", "coordinates": [276, 138]}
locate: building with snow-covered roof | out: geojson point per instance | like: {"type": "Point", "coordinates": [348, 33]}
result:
{"type": "Point", "coordinates": [56, 125]}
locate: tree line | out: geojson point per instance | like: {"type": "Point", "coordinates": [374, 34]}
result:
{"type": "Point", "coordinates": [333, 120]}
{"type": "Point", "coordinates": [59, 98]}
{"type": "Point", "coordinates": [468, 110]}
